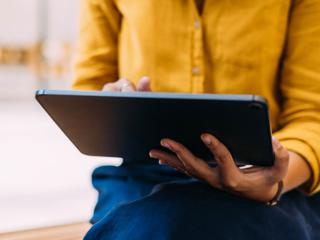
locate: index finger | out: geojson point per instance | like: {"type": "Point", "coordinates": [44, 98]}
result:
{"type": "Point", "coordinates": [221, 154]}
{"type": "Point", "coordinates": [195, 166]}
{"type": "Point", "coordinates": [124, 85]}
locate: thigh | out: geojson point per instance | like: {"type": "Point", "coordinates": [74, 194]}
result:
{"type": "Point", "coordinates": [129, 182]}
{"type": "Point", "coordinates": [193, 210]}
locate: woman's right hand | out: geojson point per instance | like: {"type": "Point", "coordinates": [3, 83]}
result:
{"type": "Point", "coordinates": [124, 85]}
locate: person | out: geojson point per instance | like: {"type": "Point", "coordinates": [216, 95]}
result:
{"type": "Point", "coordinates": [269, 48]}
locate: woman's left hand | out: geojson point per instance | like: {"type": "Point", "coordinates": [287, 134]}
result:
{"type": "Point", "coordinates": [257, 183]}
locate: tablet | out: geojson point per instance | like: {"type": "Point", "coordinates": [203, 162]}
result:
{"type": "Point", "coordinates": [129, 125]}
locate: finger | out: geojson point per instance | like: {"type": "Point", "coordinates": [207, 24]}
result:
{"type": "Point", "coordinates": [144, 84]}
{"type": "Point", "coordinates": [110, 87]}
{"type": "Point", "coordinates": [168, 159]}
{"type": "Point", "coordinates": [180, 150]}
{"type": "Point", "coordinates": [194, 166]}
{"type": "Point", "coordinates": [230, 176]}
{"type": "Point", "coordinates": [221, 153]}
{"type": "Point", "coordinates": [124, 85]}
{"type": "Point", "coordinates": [280, 167]}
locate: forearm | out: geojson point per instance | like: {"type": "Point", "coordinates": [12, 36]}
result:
{"type": "Point", "coordinates": [298, 172]}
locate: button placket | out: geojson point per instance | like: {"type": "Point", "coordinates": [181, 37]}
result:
{"type": "Point", "coordinates": [197, 58]}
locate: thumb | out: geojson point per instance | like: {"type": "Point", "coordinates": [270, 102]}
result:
{"type": "Point", "coordinates": [144, 85]}
{"type": "Point", "coordinates": [281, 163]}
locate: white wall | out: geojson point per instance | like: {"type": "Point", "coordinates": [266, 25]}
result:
{"type": "Point", "coordinates": [22, 22]}
{"type": "Point", "coordinates": [63, 19]}
{"type": "Point", "coordinates": [18, 22]}
{"type": "Point", "coordinates": [44, 180]}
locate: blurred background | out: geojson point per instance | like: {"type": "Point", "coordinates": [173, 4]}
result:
{"type": "Point", "coordinates": [44, 180]}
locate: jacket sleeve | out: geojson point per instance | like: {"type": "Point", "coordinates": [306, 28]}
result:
{"type": "Point", "coordinates": [300, 88]}
{"type": "Point", "coordinates": [96, 62]}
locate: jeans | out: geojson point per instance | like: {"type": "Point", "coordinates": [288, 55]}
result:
{"type": "Point", "coordinates": [158, 203]}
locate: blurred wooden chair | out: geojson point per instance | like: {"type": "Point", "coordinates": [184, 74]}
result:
{"type": "Point", "coordinates": [63, 232]}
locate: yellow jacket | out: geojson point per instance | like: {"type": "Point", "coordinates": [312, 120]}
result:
{"type": "Point", "coordinates": [265, 47]}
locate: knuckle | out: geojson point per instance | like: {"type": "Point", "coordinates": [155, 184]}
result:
{"type": "Point", "coordinates": [286, 154]}
{"type": "Point", "coordinates": [223, 154]}
{"type": "Point", "coordinates": [219, 149]}
{"type": "Point", "coordinates": [179, 148]}
{"type": "Point", "coordinates": [213, 148]}
{"type": "Point", "coordinates": [277, 146]}
{"type": "Point", "coordinates": [189, 168]}
{"type": "Point", "coordinates": [229, 183]}
{"type": "Point", "coordinates": [283, 155]}
{"type": "Point", "coordinates": [214, 143]}
{"type": "Point", "coordinates": [179, 145]}
{"type": "Point", "coordinates": [123, 80]}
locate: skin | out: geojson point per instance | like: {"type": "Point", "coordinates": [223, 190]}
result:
{"type": "Point", "coordinates": [257, 183]}
{"type": "Point", "coordinates": [124, 85]}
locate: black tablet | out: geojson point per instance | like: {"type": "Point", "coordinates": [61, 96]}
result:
{"type": "Point", "coordinates": [129, 125]}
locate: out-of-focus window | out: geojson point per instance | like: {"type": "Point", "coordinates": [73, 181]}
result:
{"type": "Point", "coordinates": [44, 180]}
{"type": "Point", "coordinates": [37, 43]}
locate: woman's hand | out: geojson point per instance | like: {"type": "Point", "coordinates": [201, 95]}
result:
{"type": "Point", "coordinates": [257, 183]}
{"type": "Point", "coordinates": [124, 85]}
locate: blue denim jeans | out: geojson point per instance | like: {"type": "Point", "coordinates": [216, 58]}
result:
{"type": "Point", "coordinates": [129, 182]}
{"type": "Point", "coordinates": [152, 202]}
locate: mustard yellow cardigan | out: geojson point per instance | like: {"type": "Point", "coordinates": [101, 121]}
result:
{"type": "Point", "coordinates": [270, 48]}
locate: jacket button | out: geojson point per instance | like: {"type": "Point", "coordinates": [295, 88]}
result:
{"type": "Point", "coordinates": [196, 71]}
{"type": "Point", "coordinates": [197, 24]}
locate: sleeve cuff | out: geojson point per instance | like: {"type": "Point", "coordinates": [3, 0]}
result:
{"type": "Point", "coordinates": [306, 151]}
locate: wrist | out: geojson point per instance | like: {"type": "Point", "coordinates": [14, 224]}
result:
{"type": "Point", "coordinates": [276, 193]}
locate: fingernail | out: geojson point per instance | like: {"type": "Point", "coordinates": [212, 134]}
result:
{"type": "Point", "coordinates": [151, 155]}
{"type": "Point", "coordinates": [161, 162]}
{"type": "Point", "coordinates": [165, 144]}
{"type": "Point", "coordinates": [206, 139]}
